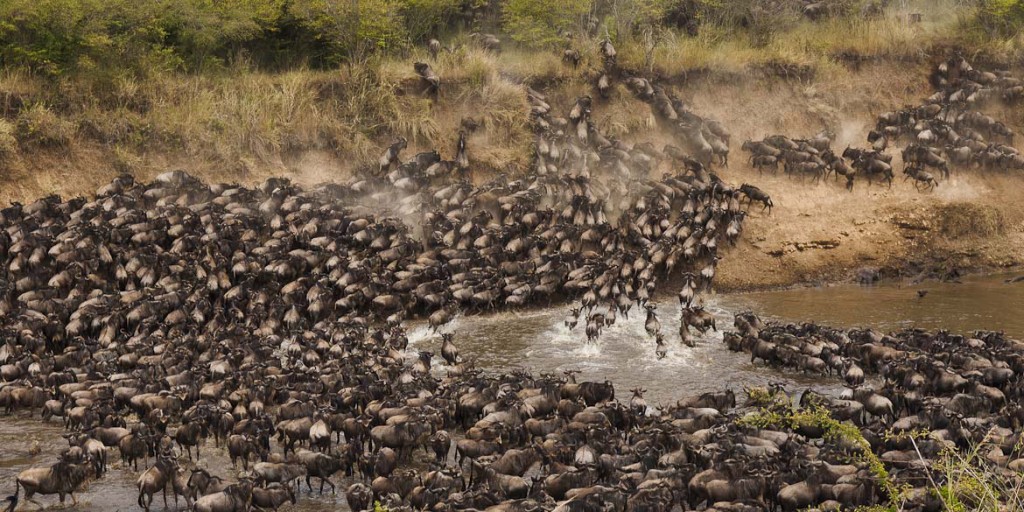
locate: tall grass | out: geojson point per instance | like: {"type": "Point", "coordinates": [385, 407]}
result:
{"type": "Point", "coordinates": [238, 113]}
{"type": "Point", "coordinates": [977, 479]}
{"type": "Point", "coordinates": [816, 44]}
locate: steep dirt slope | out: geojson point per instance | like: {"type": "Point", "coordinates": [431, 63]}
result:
{"type": "Point", "coordinates": [818, 232]}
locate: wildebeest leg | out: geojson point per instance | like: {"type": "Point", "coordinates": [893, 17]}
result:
{"type": "Point", "coordinates": [309, 484]}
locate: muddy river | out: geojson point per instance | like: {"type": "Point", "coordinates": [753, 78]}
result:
{"type": "Point", "coordinates": [625, 355]}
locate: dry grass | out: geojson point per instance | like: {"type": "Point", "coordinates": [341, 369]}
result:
{"type": "Point", "coordinates": [978, 479]}
{"type": "Point", "coordinates": [241, 118]}
{"type": "Point", "coordinates": [38, 126]}
{"type": "Point", "coordinates": [963, 219]}
{"type": "Point", "coordinates": [8, 142]}
{"type": "Point", "coordinates": [815, 45]}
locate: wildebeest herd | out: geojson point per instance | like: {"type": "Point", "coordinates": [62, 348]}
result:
{"type": "Point", "coordinates": [942, 134]}
{"type": "Point", "coordinates": [945, 132]}
{"type": "Point", "coordinates": [949, 392]}
{"type": "Point", "coordinates": [158, 316]}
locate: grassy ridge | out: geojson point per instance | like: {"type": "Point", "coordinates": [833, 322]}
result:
{"type": "Point", "coordinates": [243, 116]}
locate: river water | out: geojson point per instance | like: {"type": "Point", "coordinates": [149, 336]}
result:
{"type": "Point", "coordinates": [539, 340]}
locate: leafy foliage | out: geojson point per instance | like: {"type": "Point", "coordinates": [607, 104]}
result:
{"type": "Point", "coordinates": [54, 37]}
{"type": "Point", "coordinates": [1004, 17]}
{"type": "Point", "coordinates": [39, 126]}
{"type": "Point", "coordinates": [542, 22]}
{"type": "Point", "coordinates": [777, 411]}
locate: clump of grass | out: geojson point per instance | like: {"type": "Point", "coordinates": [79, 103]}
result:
{"type": "Point", "coordinates": [8, 142]}
{"type": "Point", "coordinates": [39, 126]}
{"type": "Point", "coordinates": [794, 43]}
{"type": "Point", "coordinates": [538, 66]}
{"type": "Point", "coordinates": [960, 219]}
{"type": "Point", "coordinates": [415, 121]}
{"type": "Point", "coordinates": [125, 160]}
{"type": "Point", "coordinates": [117, 126]}
{"type": "Point", "coordinates": [967, 481]}
{"type": "Point", "coordinates": [477, 67]}
{"type": "Point", "coordinates": [677, 53]}
{"type": "Point", "coordinates": [506, 122]}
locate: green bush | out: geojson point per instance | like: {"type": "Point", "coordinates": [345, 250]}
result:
{"type": "Point", "coordinates": [204, 32]}
{"type": "Point", "coordinates": [431, 18]}
{"type": "Point", "coordinates": [543, 22]}
{"type": "Point", "coordinates": [8, 143]}
{"type": "Point", "coordinates": [1004, 17]}
{"type": "Point", "coordinates": [54, 37]}
{"type": "Point", "coordinates": [39, 126]}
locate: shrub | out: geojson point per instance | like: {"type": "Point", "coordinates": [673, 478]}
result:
{"type": "Point", "coordinates": [962, 219]}
{"type": "Point", "coordinates": [430, 18]}
{"type": "Point", "coordinates": [202, 32]}
{"type": "Point", "coordinates": [346, 32]}
{"type": "Point", "coordinates": [57, 36]}
{"type": "Point", "coordinates": [778, 411]}
{"type": "Point", "coordinates": [8, 143]}
{"type": "Point", "coordinates": [1005, 17]}
{"type": "Point", "coordinates": [542, 22]}
{"type": "Point", "coordinates": [39, 126]}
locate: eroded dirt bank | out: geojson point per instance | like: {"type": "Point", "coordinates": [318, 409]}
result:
{"type": "Point", "coordinates": [817, 232]}
{"type": "Point", "coordinates": [820, 233]}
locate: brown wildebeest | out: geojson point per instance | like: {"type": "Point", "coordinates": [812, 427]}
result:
{"type": "Point", "coordinates": [62, 479]}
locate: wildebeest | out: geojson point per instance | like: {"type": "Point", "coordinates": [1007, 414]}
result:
{"type": "Point", "coordinates": [62, 479]}
{"type": "Point", "coordinates": [235, 498]}
{"type": "Point", "coordinates": [271, 498]}
{"type": "Point", "coordinates": [431, 82]}
{"type": "Point", "coordinates": [920, 177]}
{"type": "Point", "coordinates": [753, 193]}
{"type": "Point", "coordinates": [572, 57]}
{"type": "Point", "coordinates": [155, 479]}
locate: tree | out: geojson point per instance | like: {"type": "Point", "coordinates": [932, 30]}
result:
{"type": "Point", "coordinates": [1002, 16]}
{"type": "Point", "coordinates": [543, 22]}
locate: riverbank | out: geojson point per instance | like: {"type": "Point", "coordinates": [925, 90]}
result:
{"type": "Point", "coordinates": [822, 234]}
{"type": "Point", "coordinates": [243, 126]}
{"type": "Point", "coordinates": [817, 233]}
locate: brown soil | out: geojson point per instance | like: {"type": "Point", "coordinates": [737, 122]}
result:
{"type": "Point", "coordinates": [819, 232]}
